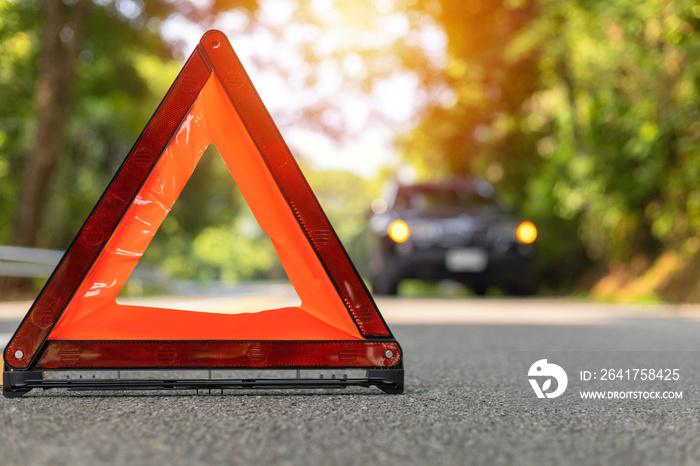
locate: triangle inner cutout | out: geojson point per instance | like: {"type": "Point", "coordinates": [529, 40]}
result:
{"type": "Point", "coordinates": [210, 245]}
{"type": "Point", "coordinates": [93, 314]}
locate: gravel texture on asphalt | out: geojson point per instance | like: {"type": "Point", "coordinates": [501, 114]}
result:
{"type": "Point", "coordinates": [455, 411]}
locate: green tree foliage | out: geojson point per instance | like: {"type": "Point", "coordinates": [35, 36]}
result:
{"type": "Point", "coordinates": [210, 234]}
{"type": "Point", "coordinates": [621, 82]}
{"type": "Point", "coordinates": [122, 72]}
{"type": "Point", "coordinates": [123, 69]}
{"type": "Point", "coordinates": [480, 89]}
{"type": "Point", "coordinates": [585, 113]}
{"type": "Point", "coordinates": [616, 123]}
{"type": "Point", "coordinates": [17, 75]}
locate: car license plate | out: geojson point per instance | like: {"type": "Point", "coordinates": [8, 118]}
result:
{"type": "Point", "coordinates": [466, 260]}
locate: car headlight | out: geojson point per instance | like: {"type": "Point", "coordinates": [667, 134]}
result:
{"type": "Point", "coordinates": [398, 231]}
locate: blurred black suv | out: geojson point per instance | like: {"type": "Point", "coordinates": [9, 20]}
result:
{"type": "Point", "coordinates": [450, 230]}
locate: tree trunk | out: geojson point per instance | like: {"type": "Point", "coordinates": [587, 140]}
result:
{"type": "Point", "coordinates": [62, 35]}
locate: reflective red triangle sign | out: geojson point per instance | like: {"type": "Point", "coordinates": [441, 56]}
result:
{"type": "Point", "coordinates": [76, 323]}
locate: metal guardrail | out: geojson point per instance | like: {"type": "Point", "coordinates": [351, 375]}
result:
{"type": "Point", "coordinates": [40, 263]}
{"type": "Point", "coordinates": [28, 262]}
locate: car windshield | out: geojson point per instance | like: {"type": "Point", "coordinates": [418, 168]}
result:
{"type": "Point", "coordinates": [441, 198]}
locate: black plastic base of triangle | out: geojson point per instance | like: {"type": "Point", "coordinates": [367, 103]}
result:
{"type": "Point", "coordinates": [18, 383]}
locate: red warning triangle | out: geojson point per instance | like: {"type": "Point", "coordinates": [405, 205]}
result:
{"type": "Point", "coordinates": [76, 323]}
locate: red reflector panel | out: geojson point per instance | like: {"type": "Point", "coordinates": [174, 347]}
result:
{"type": "Point", "coordinates": [93, 314]}
{"type": "Point", "coordinates": [213, 354]}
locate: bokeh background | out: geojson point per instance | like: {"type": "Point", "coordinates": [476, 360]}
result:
{"type": "Point", "coordinates": [584, 114]}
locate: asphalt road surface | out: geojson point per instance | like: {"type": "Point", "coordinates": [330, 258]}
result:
{"type": "Point", "coordinates": [457, 408]}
